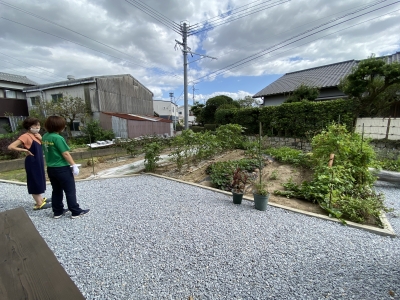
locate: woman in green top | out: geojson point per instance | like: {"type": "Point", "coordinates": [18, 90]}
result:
{"type": "Point", "coordinates": [61, 168]}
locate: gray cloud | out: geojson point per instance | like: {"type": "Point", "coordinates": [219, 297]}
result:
{"type": "Point", "coordinates": [144, 46]}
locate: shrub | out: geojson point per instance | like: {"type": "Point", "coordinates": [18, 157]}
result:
{"type": "Point", "coordinates": [211, 127]}
{"type": "Point", "coordinates": [346, 188]}
{"type": "Point", "coordinates": [6, 140]}
{"type": "Point", "coordinates": [289, 156]}
{"type": "Point", "coordinates": [221, 173]}
{"type": "Point", "coordinates": [197, 129]}
{"type": "Point", "coordinates": [93, 132]}
{"type": "Point", "coordinates": [152, 153]}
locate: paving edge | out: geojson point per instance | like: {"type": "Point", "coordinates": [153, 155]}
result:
{"type": "Point", "coordinates": [386, 231]}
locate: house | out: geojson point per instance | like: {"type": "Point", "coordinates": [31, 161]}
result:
{"type": "Point", "coordinates": [326, 78]}
{"type": "Point", "coordinates": [13, 104]}
{"type": "Point", "coordinates": [166, 110]}
{"type": "Point", "coordinates": [181, 114]}
{"type": "Point", "coordinates": [115, 93]}
{"type": "Point", "coordinates": [133, 126]}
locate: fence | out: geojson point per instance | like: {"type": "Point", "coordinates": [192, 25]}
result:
{"type": "Point", "coordinates": [379, 128]}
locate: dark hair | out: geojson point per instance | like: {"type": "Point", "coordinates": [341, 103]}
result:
{"type": "Point", "coordinates": [54, 124]}
{"type": "Point", "coordinates": [29, 122]}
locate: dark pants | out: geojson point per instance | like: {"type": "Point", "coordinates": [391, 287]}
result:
{"type": "Point", "coordinates": [62, 180]}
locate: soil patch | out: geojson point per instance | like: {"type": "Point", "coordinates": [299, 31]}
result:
{"type": "Point", "coordinates": [197, 174]}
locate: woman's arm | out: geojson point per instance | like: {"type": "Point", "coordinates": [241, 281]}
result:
{"type": "Point", "coordinates": [68, 158]}
{"type": "Point", "coordinates": [15, 146]}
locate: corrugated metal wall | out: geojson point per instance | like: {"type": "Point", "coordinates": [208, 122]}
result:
{"type": "Point", "coordinates": [124, 94]}
{"type": "Point", "coordinates": [105, 121]}
{"type": "Point", "coordinates": [120, 127]}
{"type": "Point", "coordinates": [139, 128]}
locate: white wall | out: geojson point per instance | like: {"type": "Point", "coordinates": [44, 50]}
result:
{"type": "Point", "coordinates": [379, 128]}
{"type": "Point", "coordinates": [181, 114]}
{"type": "Point", "coordinates": [69, 91]}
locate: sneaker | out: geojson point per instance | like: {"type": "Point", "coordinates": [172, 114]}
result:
{"type": "Point", "coordinates": [44, 205]}
{"type": "Point", "coordinates": [83, 212]}
{"type": "Point", "coordinates": [59, 216]}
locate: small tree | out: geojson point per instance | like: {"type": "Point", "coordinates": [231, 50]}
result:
{"type": "Point", "coordinates": [302, 93]}
{"type": "Point", "coordinates": [197, 110]}
{"type": "Point", "coordinates": [374, 85]}
{"type": "Point", "coordinates": [247, 102]}
{"type": "Point", "coordinates": [67, 107]}
{"type": "Point", "coordinates": [212, 105]}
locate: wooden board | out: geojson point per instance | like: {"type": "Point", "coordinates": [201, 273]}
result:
{"type": "Point", "coordinates": [28, 268]}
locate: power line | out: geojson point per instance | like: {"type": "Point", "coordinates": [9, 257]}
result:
{"type": "Point", "coordinates": [124, 60]}
{"type": "Point", "coordinates": [232, 17]}
{"type": "Point", "coordinates": [31, 65]}
{"type": "Point", "coordinates": [267, 58]}
{"type": "Point", "coordinates": [299, 36]}
{"type": "Point", "coordinates": [154, 14]}
{"type": "Point", "coordinates": [23, 74]}
{"type": "Point", "coordinates": [64, 27]}
{"type": "Point", "coordinates": [28, 69]}
{"type": "Point", "coordinates": [197, 25]}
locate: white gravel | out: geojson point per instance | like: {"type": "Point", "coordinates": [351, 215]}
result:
{"type": "Point", "coordinates": [151, 238]}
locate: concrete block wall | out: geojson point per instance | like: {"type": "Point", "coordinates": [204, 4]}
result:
{"type": "Point", "coordinates": [16, 164]}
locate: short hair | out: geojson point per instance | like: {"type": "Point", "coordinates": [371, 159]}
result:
{"type": "Point", "coordinates": [29, 122]}
{"type": "Point", "coordinates": [54, 124]}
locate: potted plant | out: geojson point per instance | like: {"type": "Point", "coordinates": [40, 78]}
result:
{"type": "Point", "coordinates": [239, 181]}
{"type": "Point", "coordinates": [260, 189]}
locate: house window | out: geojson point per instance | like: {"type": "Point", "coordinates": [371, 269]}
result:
{"type": "Point", "coordinates": [180, 112]}
{"type": "Point", "coordinates": [35, 100]}
{"type": "Point", "coordinates": [56, 97]}
{"type": "Point", "coordinates": [11, 94]}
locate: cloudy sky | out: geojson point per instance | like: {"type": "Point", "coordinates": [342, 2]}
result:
{"type": "Point", "coordinates": [254, 42]}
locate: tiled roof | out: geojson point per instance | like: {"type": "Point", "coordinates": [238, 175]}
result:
{"type": "Point", "coordinates": [321, 77]}
{"type": "Point", "coordinates": [137, 117]}
{"type": "Point", "coordinates": [393, 57]}
{"type": "Point", "coordinates": [16, 78]}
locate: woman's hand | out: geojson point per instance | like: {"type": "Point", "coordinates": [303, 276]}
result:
{"type": "Point", "coordinates": [28, 153]}
{"type": "Point", "coordinates": [38, 136]}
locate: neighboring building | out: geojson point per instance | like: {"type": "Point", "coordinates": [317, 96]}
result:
{"type": "Point", "coordinates": [133, 126]}
{"type": "Point", "coordinates": [12, 99]}
{"type": "Point", "coordinates": [326, 78]}
{"type": "Point", "coordinates": [166, 110]}
{"type": "Point", "coordinates": [181, 114]}
{"type": "Point", "coordinates": [114, 93]}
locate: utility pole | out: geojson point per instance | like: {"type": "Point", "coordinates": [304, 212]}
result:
{"type": "Point", "coordinates": [184, 39]}
{"type": "Point", "coordinates": [185, 51]}
{"type": "Point", "coordinates": [193, 93]}
{"type": "Point", "coordinates": [174, 108]}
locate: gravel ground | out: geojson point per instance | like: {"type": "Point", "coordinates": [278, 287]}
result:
{"type": "Point", "coordinates": [152, 238]}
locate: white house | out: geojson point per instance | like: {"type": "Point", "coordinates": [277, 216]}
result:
{"type": "Point", "coordinates": [166, 110]}
{"type": "Point", "coordinates": [181, 114]}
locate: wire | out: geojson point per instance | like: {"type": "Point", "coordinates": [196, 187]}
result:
{"type": "Point", "coordinates": [28, 69]}
{"type": "Point", "coordinates": [239, 67]}
{"type": "Point", "coordinates": [154, 14]}
{"type": "Point", "coordinates": [264, 52]}
{"type": "Point", "coordinates": [124, 60]}
{"type": "Point", "coordinates": [222, 15]}
{"type": "Point", "coordinates": [85, 36]}
{"type": "Point", "coordinates": [234, 18]}
{"type": "Point", "coordinates": [23, 74]}
{"type": "Point", "coordinates": [59, 25]}
{"type": "Point", "coordinates": [32, 65]}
